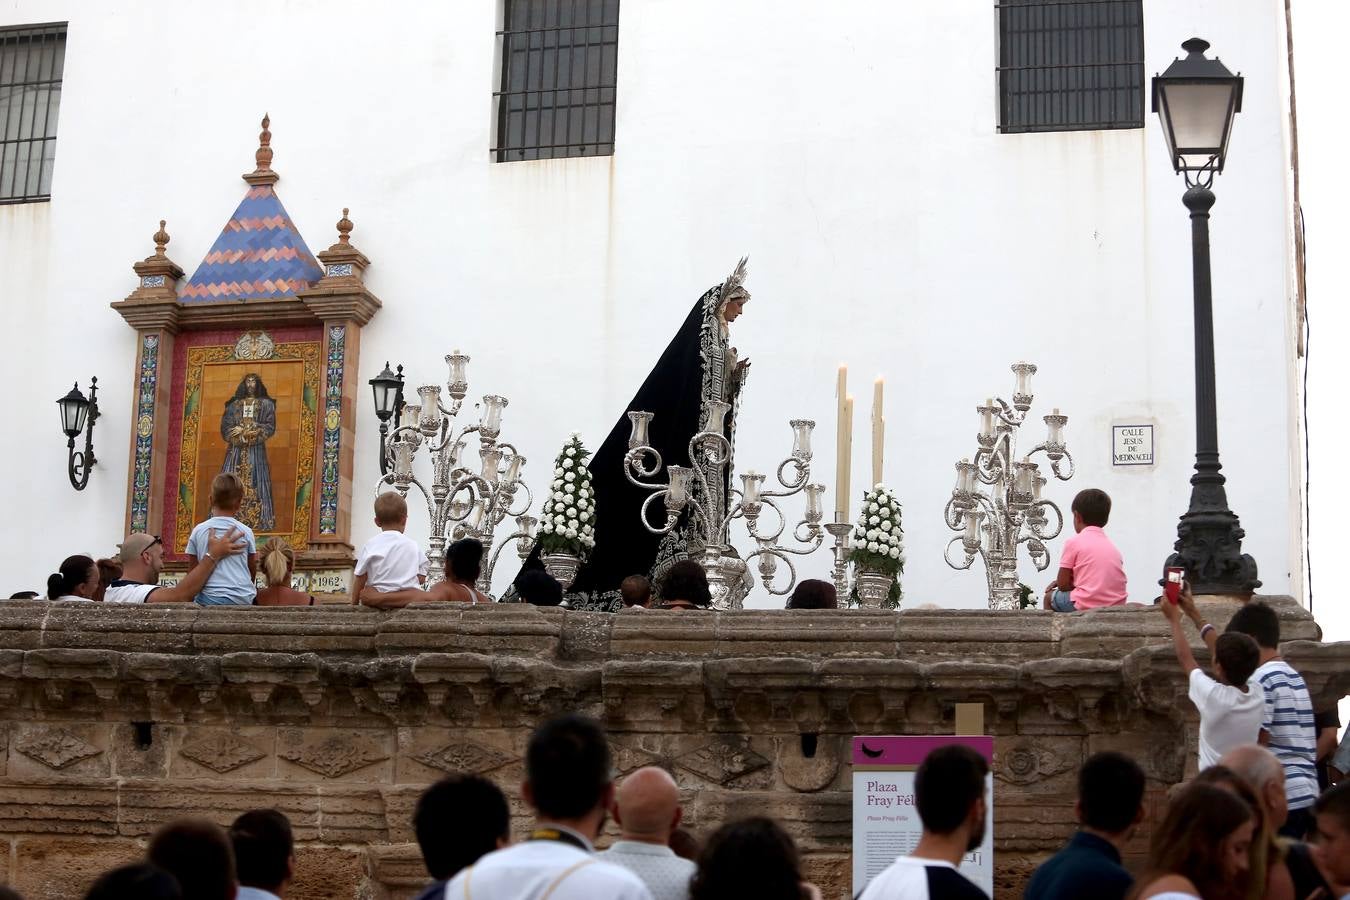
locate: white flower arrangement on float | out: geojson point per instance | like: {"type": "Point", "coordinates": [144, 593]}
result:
{"type": "Point", "coordinates": [876, 549]}
{"type": "Point", "coordinates": [568, 521]}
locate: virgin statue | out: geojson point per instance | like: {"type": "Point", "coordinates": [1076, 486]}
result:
{"type": "Point", "coordinates": [250, 418]}
{"type": "Point", "coordinates": [699, 367]}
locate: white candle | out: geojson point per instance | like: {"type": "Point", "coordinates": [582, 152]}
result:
{"type": "Point", "coordinates": [878, 431]}
{"type": "Point", "coordinates": [846, 488]}
{"type": "Point", "coordinates": [987, 418]}
{"type": "Point", "coordinates": [840, 448]}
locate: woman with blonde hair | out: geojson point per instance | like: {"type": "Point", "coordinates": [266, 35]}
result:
{"type": "Point", "coordinates": [277, 564]}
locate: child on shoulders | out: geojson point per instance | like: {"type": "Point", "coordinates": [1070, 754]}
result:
{"type": "Point", "coordinates": [390, 561]}
{"type": "Point", "coordinates": [1091, 570]}
{"type": "Point", "coordinates": [232, 582]}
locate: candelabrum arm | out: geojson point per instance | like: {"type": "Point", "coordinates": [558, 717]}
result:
{"type": "Point", "coordinates": [1009, 414]}
{"type": "Point", "coordinates": [1038, 530]}
{"type": "Point", "coordinates": [767, 573]}
{"type": "Point", "coordinates": [412, 482]}
{"type": "Point", "coordinates": [671, 517]}
{"type": "Point", "coordinates": [802, 474]}
{"type": "Point", "coordinates": [634, 468]}
{"type": "Point", "coordinates": [492, 563]}
{"type": "Point", "coordinates": [969, 557]}
{"type": "Point", "coordinates": [529, 501]}
{"type": "Point", "coordinates": [1056, 453]}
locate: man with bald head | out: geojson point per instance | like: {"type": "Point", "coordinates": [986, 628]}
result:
{"type": "Point", "coordinates": [1292, 865]}
{"type": "Point", "coordinates": [647, 810]}
{"type": "Point", "coordinates": [1264, 774]}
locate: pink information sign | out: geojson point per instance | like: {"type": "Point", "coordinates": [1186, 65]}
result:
{"type": "Point", "coordinates": [885, 820]}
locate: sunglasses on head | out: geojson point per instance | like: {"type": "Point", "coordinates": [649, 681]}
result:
{"type": "Point", "coordinates": [153, 543]}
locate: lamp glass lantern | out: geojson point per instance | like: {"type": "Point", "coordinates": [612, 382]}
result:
{"type": "Point", "coordinates": [74, 408]}
{"type": "Point", "coordinates": [1196, 99]}
{"type": "Point", "coordinates": [385, 387]}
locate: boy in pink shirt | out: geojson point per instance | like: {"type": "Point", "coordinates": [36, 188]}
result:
{"type": "Point", "coordinates": [1091, 571]}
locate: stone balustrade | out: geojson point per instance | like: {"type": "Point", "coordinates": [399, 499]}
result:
{"type": "Point", "coordinates": [114, 720]}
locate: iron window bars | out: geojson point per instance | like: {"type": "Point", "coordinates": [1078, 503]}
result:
{"type": "Point", "coordinates": [32, 58]}
{"type": "Point", "coordinates": [559, 64]}
{"type": "Point", "coordinates": [1070, 65]}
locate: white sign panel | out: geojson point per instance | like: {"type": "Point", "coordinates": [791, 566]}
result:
{"type": "Point", "coordinates": [885, 821]}
{"type": "Point", "coordinates": [1132, 445]}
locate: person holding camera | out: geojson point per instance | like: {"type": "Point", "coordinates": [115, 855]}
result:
{"type": "Point", "coordinates": [1231, 709]}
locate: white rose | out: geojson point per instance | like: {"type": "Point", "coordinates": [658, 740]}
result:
{"type": "Point", "coordinates": [872, 507]}
{"type": "Point", "coordinates": [557, 470]}
{"type": "Point", "coordinates": [548, 527]}
{"type": "Point", "coordinates": [570, 533]}
{"type": "Point", "coordinates": [583, 493]}
{"type": "Point", "coordinates": [571, 451]}
{"type": "Point", "coordinates": [569, 477]}
{"type": "Point", "coordinates": [885, 524]}
{"type": "Point", "coordinates": [560, 520]}
{"type": "Point", "coordinates": [895, 553]}
{"type": "Point", "coordinates": [557, 483]}
{"type": "Point", "coordinates": [548, 506]}
{"type": "Point", "coordinates": [873, 520]}
{"type": "Point", "coordinates": [583, 515]}
{"type": "Point", "coordinates": [571, 512]}
{"type": "Point", "coordinates": [567, 463]}
{"type": "Point", "coordinates": [873, 547]}
{"type": "Point", "coordinates": [871, 534]}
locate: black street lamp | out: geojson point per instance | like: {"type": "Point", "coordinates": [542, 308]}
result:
{"type": "Point", "coordinates": [388, 389]}
{"type": "Point", "coordinates": [1196, 99]}
{"type": "Point", "coordinates": [75, 410]}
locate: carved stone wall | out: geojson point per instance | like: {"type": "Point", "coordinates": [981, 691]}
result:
{"type": "Point", "coordinates": [114, 720]}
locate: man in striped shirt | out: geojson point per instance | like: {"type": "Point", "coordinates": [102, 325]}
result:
{"type": "Point", "coordinates": [1287, 728]}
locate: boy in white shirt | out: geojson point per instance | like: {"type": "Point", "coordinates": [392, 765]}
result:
{"type": "Point", "coordinates": [390, 561]}
{"type": "Point", "coordinates": [1231, 708]}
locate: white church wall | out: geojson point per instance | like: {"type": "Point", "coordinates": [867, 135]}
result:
{"type": "Point", "coordinates": [850, 149]}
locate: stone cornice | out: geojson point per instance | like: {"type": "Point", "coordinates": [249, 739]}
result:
{"type": "Point", "coordinates": [847, 671]}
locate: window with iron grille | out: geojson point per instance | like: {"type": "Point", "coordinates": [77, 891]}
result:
{"type": "Point", "coordinates": [559, 62]}
{"type": "Point", "coordinates": [1070, 65]}
{"type": "Point", "coordinates": [32, 58]}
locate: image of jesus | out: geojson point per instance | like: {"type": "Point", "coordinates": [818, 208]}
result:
{"type": "Point", "coordinates": [250, 418]}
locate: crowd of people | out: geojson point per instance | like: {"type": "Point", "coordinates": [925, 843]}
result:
{"type": "Point", "coordinates": [1217, 839]}
{"type": "Point", "coordinates": [391, 571]}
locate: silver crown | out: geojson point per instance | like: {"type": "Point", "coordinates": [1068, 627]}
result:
{"type": "Point", "coordinates": [735, 283]}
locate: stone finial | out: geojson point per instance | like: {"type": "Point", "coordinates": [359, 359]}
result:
{"type": "Point", "coordinates": [344, 227]}
{"type": "Point", "coordinates": [263, 173]}
{"type": "Point", "coordinates": [161, 239]}
{"type": "Point", "coordinates": [264, 154]}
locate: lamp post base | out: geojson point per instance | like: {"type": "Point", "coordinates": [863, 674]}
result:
{"type": "Point", "coordinates": [1209, 548]}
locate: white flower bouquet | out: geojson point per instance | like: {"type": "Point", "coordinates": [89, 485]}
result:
{"type": "Point", "coordinates": [876, 545]}
{"type": "Point", "coordinates": [568, 521]}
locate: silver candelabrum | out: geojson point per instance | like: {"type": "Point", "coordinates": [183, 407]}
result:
{"type": "Point", "coordinates": [1010, 511]}
{"type": "Point", "coordinates": [463, 500]}
{"type": "Point", "coordinates": [710, 461]}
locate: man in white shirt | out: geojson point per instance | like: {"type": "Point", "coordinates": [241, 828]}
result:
{"type": "Point", "coordinates": [949, 794]}
{"type": "Point", "coordinates": [264, 854]}
{"type": "Point", "coordinates": [142, 559]}
{"type": "Point", "coordinates": [1231, 709]}
{"type": "Point", "coordinates": [568, 784]}
{"type": "Point", "coordinates": [647, 809]}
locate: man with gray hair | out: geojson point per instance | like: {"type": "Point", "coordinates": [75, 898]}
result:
{"type": "Point", "coordinates": [1264, 774]}
{"type": "Point", "coordinates": [647, 809]}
